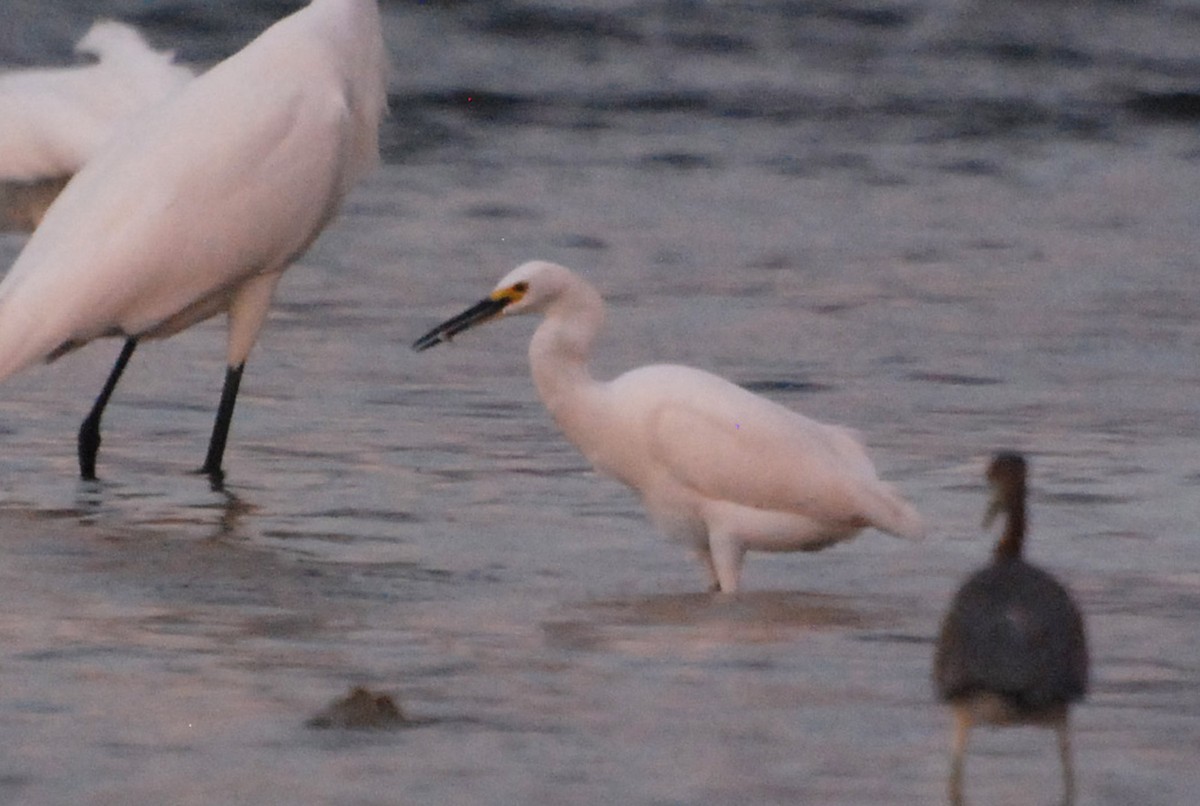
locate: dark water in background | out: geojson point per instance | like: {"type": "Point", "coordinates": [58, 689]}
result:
{"type": "Point", "coordinates": [954, 227]}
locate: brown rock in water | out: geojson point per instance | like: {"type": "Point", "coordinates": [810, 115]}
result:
{"type": "Point", "coordinates": [361, 709]}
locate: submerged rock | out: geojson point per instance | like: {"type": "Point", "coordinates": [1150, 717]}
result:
{"type": "Point", "coordinates": [360, 709]}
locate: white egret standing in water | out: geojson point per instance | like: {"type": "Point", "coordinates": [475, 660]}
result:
{"type": "Point", "coordinates": [197, 207]}
{"type": "Point", "coordinates": [717, 467]}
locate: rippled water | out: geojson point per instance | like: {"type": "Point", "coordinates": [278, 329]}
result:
{"type": "Point", "coordinates": [955, 227]}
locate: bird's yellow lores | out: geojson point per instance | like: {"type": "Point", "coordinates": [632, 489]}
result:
{"type": "Point", "coordinates": [1012, 648]}
{"type": "Point", "coordinates": [717, 467]}
{"type": "Point", "coordinates": [199, 206]}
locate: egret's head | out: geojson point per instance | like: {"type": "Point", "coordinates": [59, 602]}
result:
{"type": "Point", "coordinates": [1006, 476]}
{"type": "Point", "coordinates": [526, 289]}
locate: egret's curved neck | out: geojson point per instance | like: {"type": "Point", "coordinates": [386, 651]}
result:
{"type": "Point", "coordinates": [558, 355]}
{"type": "Point", "coordinates": [1013, 539]}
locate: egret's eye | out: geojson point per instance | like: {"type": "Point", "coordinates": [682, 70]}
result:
{"type": "Point", "coordinates": [521, 287]}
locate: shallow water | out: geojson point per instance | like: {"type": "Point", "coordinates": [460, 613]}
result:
{"type": "Point", "coordinates": [954, 228]}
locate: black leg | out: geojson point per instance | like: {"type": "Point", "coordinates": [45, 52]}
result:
{"type": "Point", "coordinates": [220, 433]}
{"type": "Point", "coordinates": [89, 432]}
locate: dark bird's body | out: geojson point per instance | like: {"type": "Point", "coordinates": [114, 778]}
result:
{"type": "Point", "coordinates": [1012, 648]}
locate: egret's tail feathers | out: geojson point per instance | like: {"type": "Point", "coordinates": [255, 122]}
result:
{"type": "Point", "coordinates": [23, 343]}
{"type": "Point", "coordinates": [890, 513]}
{"type": "Point", "coordinates": [12, 363]}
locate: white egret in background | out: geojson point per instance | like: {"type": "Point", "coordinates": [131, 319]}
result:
{"type": "Point", "coordinates": [53, 119]}
{"type": "Point", "coordinates": [1012, 648]}
{"type": "Point", "coordinates": [198, 206]}
{"type": "Point", "coordinates": [717, 467]}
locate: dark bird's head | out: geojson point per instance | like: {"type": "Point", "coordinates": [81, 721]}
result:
{"type": "Point", "coordinates": [1006, 476]}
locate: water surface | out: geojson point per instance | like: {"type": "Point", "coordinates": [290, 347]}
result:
{"type": "Point", "coordinates": [954, 227]}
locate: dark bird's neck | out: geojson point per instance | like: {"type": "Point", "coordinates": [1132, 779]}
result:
{"type": "Point", "coordinates": [1013, 539]}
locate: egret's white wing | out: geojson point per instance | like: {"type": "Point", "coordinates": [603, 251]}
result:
{"type": "Point", "coordinates": [728, 444]}
{"type": "Point", "coordinates": [52, 120]}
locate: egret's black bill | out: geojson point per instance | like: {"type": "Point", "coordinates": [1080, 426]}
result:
{"type": "Point", "coordinates": [477, 313]}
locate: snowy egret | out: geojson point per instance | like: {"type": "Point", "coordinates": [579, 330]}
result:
{"type": "Point", "coordinates": [717, 467]}
{"type": "Point", "coordinates": [200, 207]}
{"type": "Point", "coordinates": [53, 119]}
{"type": "Point", "coordinates": [1012, 649]}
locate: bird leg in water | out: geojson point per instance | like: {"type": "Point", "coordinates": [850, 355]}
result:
{"type": "Point", "coordinates": [726, 553]}
{"type": "Point", "coordinates": [1063, 730]}
{"type": "Point", "coordinates": [962, 732]}
{"type": "Point", "coordinates": [220, 433]}
{"type": "Point", "coordinates": [89, 431]}
{"type": "Point", "coordinates": [706, 557]}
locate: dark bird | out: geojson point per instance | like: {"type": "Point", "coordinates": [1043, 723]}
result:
{"type": "Point", "coordinates": [1012, 649]}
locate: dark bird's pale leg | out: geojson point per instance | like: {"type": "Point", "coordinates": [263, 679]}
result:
{"type": "Point", "coordinates": [958, 753]}
{"type": "Point", "coordinates": [220, 433]}
{"type": "Point", "coordinates": [1063, 729]}
{"type": "Point", "coordinates": [89, 431]}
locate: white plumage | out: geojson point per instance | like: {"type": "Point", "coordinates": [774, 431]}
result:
{"type": "Point", "coordinates": [52, 120]}
{"type": "Point", "coordinates": [200, 208]}
{"type": "Point", "coordinates": [717, 467]}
